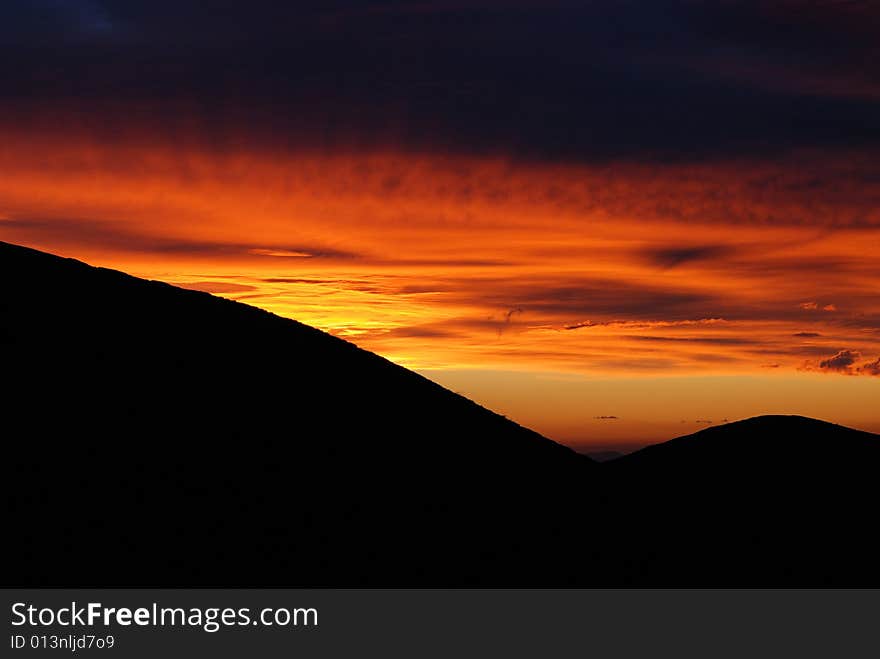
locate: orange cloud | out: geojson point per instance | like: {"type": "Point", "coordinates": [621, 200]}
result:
{"type": "Point", "coordinates": [457, 262]}
{"type": "Point", "coordinates": [490, 258]}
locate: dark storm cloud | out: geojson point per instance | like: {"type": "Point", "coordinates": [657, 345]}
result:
{"type": "Point", "coordinates": [580, 80]}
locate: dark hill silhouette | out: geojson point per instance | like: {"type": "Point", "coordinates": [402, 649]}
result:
{"type": "Point", "coordinates": [768, 500]}
{"type": "Point", "coordinates": [155, 436]}
{"type": "Point", "coordinates": [802, 445]}
{"type": "Point", "coordinates": [162, 435]}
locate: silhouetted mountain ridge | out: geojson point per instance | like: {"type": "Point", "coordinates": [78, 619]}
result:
{"type": "Point", "coordinates": [106, 310]}
{"type": "Point", "coordinates": [759, 442]}
{"type": "Point", "coordinates": [156, 436]}
{"type": "Point", "coordinates": [168, 425]}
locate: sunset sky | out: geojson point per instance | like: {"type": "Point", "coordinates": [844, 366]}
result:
{"type": "Point", "coordinates": [612, 222]}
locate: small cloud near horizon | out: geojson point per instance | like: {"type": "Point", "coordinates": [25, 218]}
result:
{"type": "Point", "coordinates": [845, 362]}
{"type": "Point", "coordinates": [814, 306]}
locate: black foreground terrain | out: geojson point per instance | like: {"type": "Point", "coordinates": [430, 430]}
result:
{"type": "Point", "coordinates": [155, 436]}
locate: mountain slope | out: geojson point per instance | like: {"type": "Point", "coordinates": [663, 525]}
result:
{"type": "Point", "coordinates": [771, 500]}
{"type": "Point", "coordinates": [61, 311]}
{"type": "Point", "coordinates": [761, 443]}
{"type": "Point", "coordinates": [155, 419]}
{"type": "Point", "coordinates": [155, 436]}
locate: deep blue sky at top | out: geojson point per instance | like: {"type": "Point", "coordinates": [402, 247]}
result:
{"type": "Point", "coordinates": [564, 80]}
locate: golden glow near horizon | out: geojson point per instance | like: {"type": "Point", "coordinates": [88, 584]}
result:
{"type": "Point", "coordinates": [560, 295]}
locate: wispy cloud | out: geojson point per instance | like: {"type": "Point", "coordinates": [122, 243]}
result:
{"type": "Point", "coordinates": [441, 260]}
{"type": "Point", "coordinates": [671, 257]}
{"type": "Point", "coordinates": [217, 286]}
{"type": "Point", "coordinates": [124, 236]}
